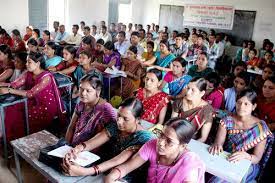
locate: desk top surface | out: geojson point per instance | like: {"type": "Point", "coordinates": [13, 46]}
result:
{"type": "Point", "coordinates": [29, 148]}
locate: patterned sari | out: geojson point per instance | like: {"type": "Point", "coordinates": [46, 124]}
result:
{"type": "Point", "coordinates": [165, 61]}
{"type": "Point", "coordinates": [152, 105]}
{"type": "Point", "coordinates": [44, 104]}
{"type": "Point", "coordinates": [176, 86]}
{"type": "Point", "coordinates": [247, 140]}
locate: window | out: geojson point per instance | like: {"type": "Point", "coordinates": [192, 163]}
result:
{"type": "Point", "coordinates": [125, 13]}
{"type": "Point", "coordinates": [56, 12]}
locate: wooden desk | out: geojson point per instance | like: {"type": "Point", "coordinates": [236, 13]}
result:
{"type": "Point", "coordinates": [29, 147]}
{"type": "Point", "coordinates": [9, 100]}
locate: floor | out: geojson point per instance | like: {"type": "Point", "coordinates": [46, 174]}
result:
{"type": "Point", "coordinates": [8, 175]}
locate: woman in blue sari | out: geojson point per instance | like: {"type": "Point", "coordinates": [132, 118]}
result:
{"type": "Point", "coordinates": [176, 80]}
{"type": "Point", "coordinates": [123, 139]}
{"type": "Point", "coordinates": [162, 58]}
{"type": "Point", "coordinates": [245, 136]}
{"type": "Point", "coordinates": [51, 58]}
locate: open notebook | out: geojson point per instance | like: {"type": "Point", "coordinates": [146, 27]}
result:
{"type": "Point", "coordinates": [83, 159]}
{"type": "Point", "coordinates": [115, 71]}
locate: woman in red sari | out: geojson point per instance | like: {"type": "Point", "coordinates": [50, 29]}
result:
{"type": "Point", "coordinates": [154, 101]}
{"type": "Point", "coordinates": [5, 38]}
{"type": "Point", "coordinates": [43, 98]}
{"type": "Point", "coordinates": [19, 44]}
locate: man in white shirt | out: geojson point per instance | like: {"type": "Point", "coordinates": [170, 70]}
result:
{"type": "Point", "coordinates": [55, 26]}
{"type": "Point", "coordinates": [94, 33]}
{"type": "Point", "coordinates": [122, 45]}
{"type": "Point", "coordinates": [220, 44]}
{"type": "Point", "coordinates": [61, 35]}
{"type": "Point", "coordinates": [106, 36]}
{"type": "Point", "coordinates": [75, 38]}
{"type": "Point", "coordinates": [129, 32]}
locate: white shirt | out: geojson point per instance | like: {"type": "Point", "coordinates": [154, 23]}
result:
{"type": "Point", "coordinates": [221, 49]}
{"type": "Point", "coordinates": [96, 36]}
{"type": "Point", "coordinates": [122, 47]}
{"type": "Point", "coordinates": [106, 37]}
{"type": "Point", "coordinates": [74, 39]}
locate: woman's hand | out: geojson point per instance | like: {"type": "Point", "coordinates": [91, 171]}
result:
{"type": "Point", "coordinates": [71, 169]}
{"type": "Point", "coordinates": [237, 156]}
{"type": "Point", "coordinates": [52, 68]}
{"type": "Point", "coordinates": [73, 153]}
{"type": "Point", "coordinates": [110, 178]}
{"type": "Point", "coordinates": [215, 149]}
{"type": "Point", "coordinates": [4, 90]}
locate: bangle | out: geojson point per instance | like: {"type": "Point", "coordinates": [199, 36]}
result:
{"type": "Point", "coordinates": [97, 171]}
{"type": "Point", "coordinates": [118, 171]}
{"type": "Point", "coordinates": [84, 145]}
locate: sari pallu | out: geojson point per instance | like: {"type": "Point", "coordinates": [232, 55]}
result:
{"type": "Point", "coordinates": [152, 105]}
{"type": "Point", "coordinates": [176, 86]}
{"type": "Point", "coordinates": [246, 140]}
{"type": "Point", "coordinates": [44, 104]}
{"type": "Point", "coordinates": [165, 61]}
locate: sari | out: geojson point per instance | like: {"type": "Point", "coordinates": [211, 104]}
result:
{"type": "Point", "coordinates": [197, 116]}
{"type": "Point", "coordinates": [91, 122]}
{"type": "Point", "coordinates": [176, 86]}
{"type": "Point", "coordinates": [114, 56]}
{"type": "Point", "coordinates": [246, 140]}
{"type": "Point", "coordinates": [230, 96]}
{"type": "Point", "coordinates": [129, 85]}
{"type": "Point", "coordinates": [152, 105]}
{"type": "Point", "coordinates": [165, 61]}
{"type": "Point", "coordinates": [52, 62]}
{"type": "Point", "coordinates": [118, 144]}
{"type": "Point", "coordinates": [44, 104]}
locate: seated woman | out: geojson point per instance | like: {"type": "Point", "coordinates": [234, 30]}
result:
{"type": "Point", "coordinates": [214, 93]}
{"type": "Point", "coordinates": [162, 58]}
{"type": "Point", "coordinates": [154, 101]}
{"type": "Point", "coordinates": [111, 57]}
{"type": "Point", "coordinates": [253, 61]}
{"type": "Point", "coordinates": [5, 38]}
{"type": "Point", "coordinates": [257, 84]}
{"type": "Point", "coordinates": [176, 80]}
{"type": "Point", "coordinates": [51, 58]}
{"type": "Point", "coordinates": [245, 136]}
{"type": "Point", "coordinates": [241, 82]}
{"type": "Point", "coordinates": [266, 103]}
{"type": "Point", "coordinates": [194, 109]}
{"type": "Point", "coordinates": [98, 55]}
{"type": "Point", "coordinates": [46, 36]}
{"type": "Point", "coordinates": [32, 46]}
{"type": "Point", "coordinates": [149, 54]}
{"type": "Point", "coordinates": [200, 69]}
{"type": "Point", "coordinates": [268, 59]}
{"type": "Point", "coordinates": [168, 155]}
{"type": "Point", "coordinates": [133, 69]}
{"type": "Point", "coordinates": [44, 102]}
{"type": "Point", "coordinates": [28, 34]}
{"type": "Point", "coordinates": [20, 60]}
{"type": "Point", "coordinates": [36, 36]}
{"type": "Point", "coordinates": [84, 67]}
{"type": "Point", "coordinates": [228, 80]}
{"type": "Point", "coordinates": [87, 45]}
{"type": "Point", "coordinates": [123, 139]}
{"type": "Point", "coordinates": [19, 44]}
{"type": "Point", "coordinates": [6, 63]}
{"type": "Point", "coordinates": [69, 64]}
{"type": "Point", "coordinates": [91, 114]}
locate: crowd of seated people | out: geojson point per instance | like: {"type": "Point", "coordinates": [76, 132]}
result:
{"type": "Point", "coordinates": [180, 101]}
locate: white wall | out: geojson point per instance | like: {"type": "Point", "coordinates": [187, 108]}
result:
{"type": "Point", "coordinates": [90, 11]}
{"type": "Point", "coordinates": [264, 26]}
{"type": "Point", "coordinates": [14, 14]}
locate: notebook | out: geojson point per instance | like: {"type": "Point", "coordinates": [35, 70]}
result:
{"type": "Point", "coordinates": [83, 159]}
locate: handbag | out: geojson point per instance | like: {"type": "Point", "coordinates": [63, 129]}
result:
{"type": "Point", "coordinates": [52, 161]}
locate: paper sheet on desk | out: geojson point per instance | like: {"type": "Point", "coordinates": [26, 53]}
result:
{"type": "Point", "coordinates": [218, 165]}
{"type": "Point", "coordinates": [83, 159]}
{"type": "Point", "coordinates": [115, 71]}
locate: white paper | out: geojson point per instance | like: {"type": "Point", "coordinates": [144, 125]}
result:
{"type": "Point", "coordinates": [218, 165]}
{"type": "Point", "coordinates": [83, 159]}
{"type": "Point", "coordinates": [115, 71]}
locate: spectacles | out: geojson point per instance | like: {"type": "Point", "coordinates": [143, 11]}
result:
{"type": "Point", "coordinates": [162, 136]}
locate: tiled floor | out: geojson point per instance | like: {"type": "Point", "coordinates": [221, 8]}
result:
{"type": "Point", "coordinates": [29, 174]}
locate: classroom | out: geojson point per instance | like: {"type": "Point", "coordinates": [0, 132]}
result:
{"type": "Point", "coordinates": [133, 91]}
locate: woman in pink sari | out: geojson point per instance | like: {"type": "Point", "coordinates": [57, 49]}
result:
{"type": "Point", "coordinates": [169, 158]}
{"type": "Point", "coordinates": [43, 98]}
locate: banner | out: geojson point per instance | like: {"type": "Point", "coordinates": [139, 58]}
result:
{"type": "Point", "coordinates": [216, 17]}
